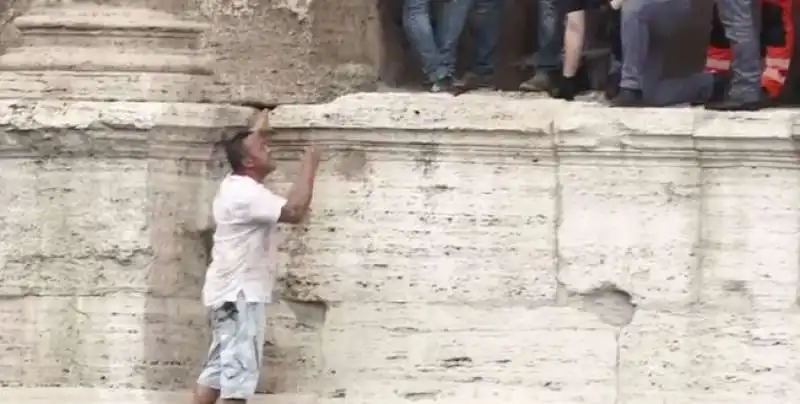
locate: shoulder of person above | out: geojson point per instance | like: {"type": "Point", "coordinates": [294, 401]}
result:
{"type": "Point", "coordinates": [616, 4]}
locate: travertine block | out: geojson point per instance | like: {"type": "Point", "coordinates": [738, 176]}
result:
{"type": "Point", "coordinates": [120, 341]}
{"type": "Point", "coordinates": [629, 202]}
{"type": "Point", "coordinates": [629, 225]}
{"type": "Point", "coordinates": [427, 232]}
{"type": "Point", "coordinates": [710, 357]}
{"type": "Point", "coordinates": [458, 353]}
{"type": "Point", "coordinates": [74, 226]}
{"type": "Point", "coordinates": [751, 237]}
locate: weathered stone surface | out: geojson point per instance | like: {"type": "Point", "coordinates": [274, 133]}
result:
{"type": "Point", "coordinates": [709, 356]}
{"type": "Point", "coordinates": [468, 353]}
{"type": "Point", "coordinates": [472, 249]}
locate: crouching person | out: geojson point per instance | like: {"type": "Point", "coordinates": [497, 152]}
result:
{"type": "Point", "coordinates": [646, 27]}
{"type": "Point", "coordinates": [238, 282]}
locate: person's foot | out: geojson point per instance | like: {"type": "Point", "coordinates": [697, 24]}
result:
{"type": "Point", "coordinates": [628, 98]}
{"type": "Point", "coordinates": [444, 85]}
{"type": "Point", "coordinates": [566, 89]}
{"type": "Point", "coordinates": [541, 81]}
{"type": "Point", "coordinates": [473, 81]}
{"type": "Point", "coordinates": [733, 104]}
{"type": "Point", "coordinates": [612, 86]}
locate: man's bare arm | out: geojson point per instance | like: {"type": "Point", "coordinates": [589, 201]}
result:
{"type": "Point", "coordinates": [300, 194]}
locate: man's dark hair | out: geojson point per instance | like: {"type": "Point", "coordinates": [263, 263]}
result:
{"type": "Point", "coordinates": [235, 149]}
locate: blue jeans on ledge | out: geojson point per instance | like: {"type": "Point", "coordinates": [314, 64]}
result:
{"type": "Point", "coordinates": [485, 23]}
{"type": "Point", "coordinates": [550, 34]}
{"type": "Point", "coordinates": [436, 45]}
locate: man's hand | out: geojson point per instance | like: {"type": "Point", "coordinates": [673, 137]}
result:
{"type": "Point", "coordinates": [261, 122]}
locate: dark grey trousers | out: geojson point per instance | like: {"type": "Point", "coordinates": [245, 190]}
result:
{"type": "Point", "coordinates": [737, 16]}
{"type": "Point", "coordinates": [646, 27]}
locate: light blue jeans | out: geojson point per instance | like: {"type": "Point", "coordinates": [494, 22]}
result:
{"type": "Point", "coordinates": [237, 344]}
{"type": "Point", "coordinates": [436, 45]}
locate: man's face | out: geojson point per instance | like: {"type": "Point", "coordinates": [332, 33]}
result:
{"type": "Point", "coordinates": [258, 154]}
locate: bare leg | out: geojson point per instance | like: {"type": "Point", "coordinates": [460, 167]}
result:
{"type": "Point", "coordinates": [573, 42]}
{"type": "Point", "coordinates": [205, 395]}
{"type": "Point", "coordinates": [573, 52]}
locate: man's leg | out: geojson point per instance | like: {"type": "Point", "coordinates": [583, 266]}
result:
{"type": "Point", "coordinates": [449, 27]}
{"type": "Point", "coordinates": [694, 89]}
{"type": "Point", "coordinates": [635, 36]}
{"type": "Point", "coordinates": [234, 364]}
{"type": "Point", "coordinates": [550, 38]}
{"type": "Point", "coordinates": [207, 389]}
{"type": "Point", "coordinates": [574, 36]}
{"type": "Point", "coordinates": [485, 21]}
{"type": "Point", "coordinates": [205, 395]}
{"type": "Point", "coordinates": [241, 356]}
{"type": "Point", "coordinates": [417, 24]}
{"type": "Point", "coordinates": [615, 68]}
{"type": "Point", "coordinates": [740, 29]}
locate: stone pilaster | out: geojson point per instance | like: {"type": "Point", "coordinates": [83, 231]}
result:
{"type": "Point", "coordinates": [106, 160]}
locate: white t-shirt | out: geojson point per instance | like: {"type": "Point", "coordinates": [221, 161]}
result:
{"type": "Point", "coordinates": [242, 258]}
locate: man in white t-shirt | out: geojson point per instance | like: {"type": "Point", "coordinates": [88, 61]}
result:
{"type": "Point", "coordinates": [239, 280]}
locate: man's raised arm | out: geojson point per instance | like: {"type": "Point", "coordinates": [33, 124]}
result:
{"type": "Point", "coordinates": [299, 197]}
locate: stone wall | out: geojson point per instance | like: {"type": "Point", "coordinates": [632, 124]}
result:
{"type": "Point", "coordinates": [469, 249]}
{"type": "Point", "coordinates": [488, 249]}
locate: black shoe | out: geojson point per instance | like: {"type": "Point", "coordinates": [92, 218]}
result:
{"type": "Point", "coordinates": [566, 88]}
{"type": "Point", "coordinates": [736, 105]}
{"type": "Point", "coordinates": [612, 86]}
{"type": "Point", "coordinates": [628, 98]}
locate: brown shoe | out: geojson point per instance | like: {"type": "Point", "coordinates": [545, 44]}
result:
{"type": "Point", "coordinates": [471, 81]}
{"type": "Point", "coordinates": [541, 81]}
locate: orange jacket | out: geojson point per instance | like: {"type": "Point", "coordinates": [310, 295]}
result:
{"type": "Point", "coordinates": [777, 43]}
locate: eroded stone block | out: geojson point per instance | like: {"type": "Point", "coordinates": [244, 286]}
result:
{"type": "Point", "coordinates": [632, 225]}
{"type": "Point", "coordinates": [467, 353]}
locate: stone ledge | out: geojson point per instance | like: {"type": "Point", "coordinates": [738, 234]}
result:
{"type": "Point", "coordinates": [577, 125]}
{"type": "Point", "coordinates": [53, 128]}
{"type": "Point", "coordinates": [31, 115]}
{"type": "Point", "coordinates": [126, 396]}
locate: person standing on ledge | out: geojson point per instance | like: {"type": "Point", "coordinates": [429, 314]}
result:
{"type": "Point", "coordinates": [239, 280]}
{"type": "Point", "coordinates": [550, 37]}
{"type": "Point", "coordinates": [745, 92]}
{"type": "Point", "coordinates": [436, 45]}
